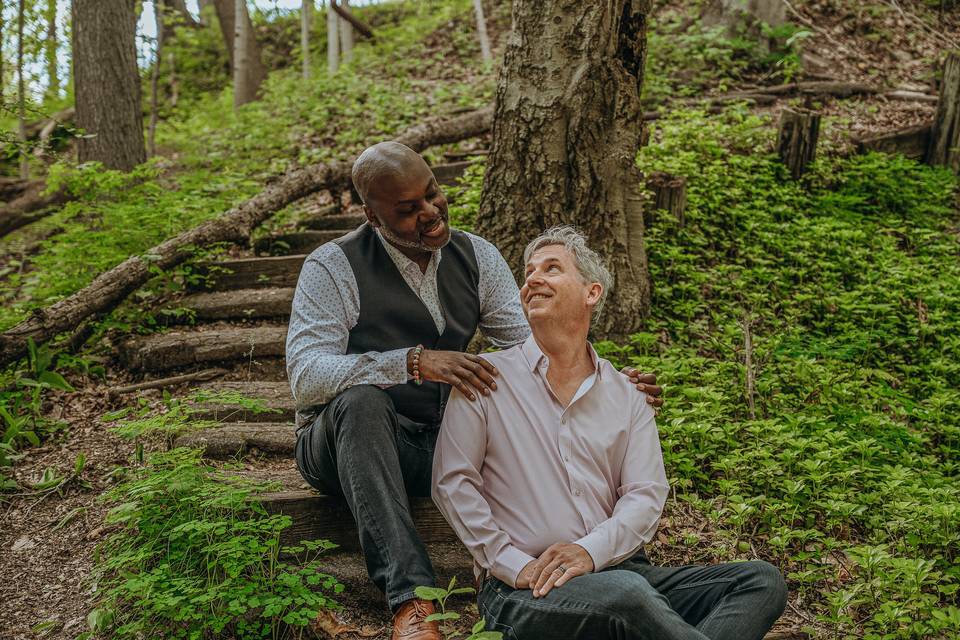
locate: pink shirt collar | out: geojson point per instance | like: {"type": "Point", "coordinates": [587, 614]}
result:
{"type": "Point", "coordinates": [535, 356]}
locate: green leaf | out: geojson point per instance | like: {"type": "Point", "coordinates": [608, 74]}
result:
{"type": "Point", "coordinates": [449, 615]}
{"type": "Point", "coordinates": [55, 381]}
{"type": "Point", "coordinates": [430, 593]}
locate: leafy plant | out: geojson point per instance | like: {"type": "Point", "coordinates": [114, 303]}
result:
{"type": "Point", "coordinates": [446, 618]}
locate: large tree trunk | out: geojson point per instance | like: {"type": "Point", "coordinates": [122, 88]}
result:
{"type": "Point", "coordinates": [107, 83]}
{"type": "Point", "coordinates": [50, 51]}
{"type": "Point", "coordinates": [567, 128]}
{"type": "Point", "coordinates": [21, 97]}
{"type": "Point", "coordinates": [235, 225]}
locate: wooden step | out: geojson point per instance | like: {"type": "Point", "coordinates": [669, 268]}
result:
{"type": "Point", "coordinates": [316, 516]}
{"type": "Point", "coordinates": [238, 438]}
{"type": "Point", "coordinates": [187, 348]}
{"type": "Point", "coordinates": [345, 222]}
{"type": "Point", "coordinates": [448, 174]}
{"type": "Point", "coordinates": [274, 396]}
{"type": "Point", "coordinates": [250, 273]}
{"type": "Point", "coordinates": [238, 304]}
{"type": "Point", "coordinates": [297, 242]}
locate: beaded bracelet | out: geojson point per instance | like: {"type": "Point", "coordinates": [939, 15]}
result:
{"type": "Point", "coordinates": [416, 364]}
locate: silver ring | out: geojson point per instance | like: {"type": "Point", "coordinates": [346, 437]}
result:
{"type": "Point", "coordinates": [562, 569]}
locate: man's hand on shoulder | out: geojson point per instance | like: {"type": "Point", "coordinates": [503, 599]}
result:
{"type": "Point", "coordinates": [554, 568]}
{"type": "Point", "coordinates": [469, 373]}
{"type": "Point", "coordinates": [646, 382]}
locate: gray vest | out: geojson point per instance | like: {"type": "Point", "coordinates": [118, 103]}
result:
{"type": "Point", "coordinates": [393, 317]}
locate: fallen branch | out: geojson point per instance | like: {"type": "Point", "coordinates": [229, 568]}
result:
{"type": "Point", "coordinates": [162, 383]}
{"type": "Point", "coordinates": [29, 207]}
{"type": "Point", "coordinates": [60, 118]}
{"type": "Point", "coordinates": [110, 288]}
{"type": "Point", "coordinates": [344, 13]}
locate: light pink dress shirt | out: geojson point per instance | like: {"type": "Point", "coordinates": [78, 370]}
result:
{"type": "Point", "coordinates": [516, 472]}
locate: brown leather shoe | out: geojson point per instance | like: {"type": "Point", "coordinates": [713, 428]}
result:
{"type": "Point", "coordinates": [408, 622]}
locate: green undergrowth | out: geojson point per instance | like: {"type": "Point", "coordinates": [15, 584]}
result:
{"type": "Point", "coordinates": [193, 555]}
{"type": "Point", "coordinates": [845, 473]}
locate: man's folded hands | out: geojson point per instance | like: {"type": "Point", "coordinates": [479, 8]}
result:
{"type": "Point", "coordinates": [555, 566]}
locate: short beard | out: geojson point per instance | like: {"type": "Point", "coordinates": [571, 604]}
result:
{"type": "Point", "coordinates": [406, 244]}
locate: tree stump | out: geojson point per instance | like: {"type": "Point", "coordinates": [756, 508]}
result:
{"type": "Point", "coordinates": [797, 141]}
{"type": "Point", "coordinates": [944, 149]}
{"type": "Point", "coordinates": [669, 194]}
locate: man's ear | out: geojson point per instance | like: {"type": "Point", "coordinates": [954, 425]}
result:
{"type": "Point", "coordinates": [371, 217]}
{"type": "Point", "coordinates": [594, 293]}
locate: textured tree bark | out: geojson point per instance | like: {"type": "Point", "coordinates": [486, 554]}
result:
{"type": "Point", "coordinates": [346, 35]}
{"type": "Point", "coordinates": [306, 20]}
{"type": "Point", "coordinates": [944, 147]}
{"type": "Point", "coordinates": [107, 83]}
{"type": "Point", "coordinates": [21, 98]}
{"type": "Point", "coordinates": [50, 51]}
{"type": "Point", "coordinates": [333, 40]}
{"type": "Point", "coordinates": [797, 140]}
{"type": "Point", "coordinates": [110, 288]}
{"type": "Point", "coordinates": [482, 31]}
{"type": "Point", "coordinates": [567, 129]}
{"type": "Point", "coordinates": [669, 194]}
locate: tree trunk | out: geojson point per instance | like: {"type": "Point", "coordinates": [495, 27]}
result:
{"type": "Point", "coordinates": [107, 83]}
{"type": "Point", "coordinates": [22, 98]}
{"type": "Point", "coordinates": [346, 35]}
{"type": "Point", "coordinates": [2, 25]}
{"type": "Point", "coordinates": [110, 288]}
{"type": "Point", "coordinates": [248, 72]}
{"type": "Point", "coordinates": [567, 128]}
{"type": "Point", "coordinates": [306, 21]}
{"type": "Point", "coordinates": [158, 11]}
{"type": "Point", "coordinates": [226, 16]}
{"type": "Point", "coordinates": [183, 15]}
{"type": "Point", "coordinates": [797, 140]}
{"type": "Point", "coordinates": [50, 50]}
{"type": "Point", "coordinates": [669, 194]}
{"type": "Point", "coordinates": [333, 39]}
{"type": "Point", "coordinates": [944, 149]}
{"type": "Point", "coordinates": [482, 31]}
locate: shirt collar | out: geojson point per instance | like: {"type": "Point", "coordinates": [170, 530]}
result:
{"type": "Point", "coordinates": [402, 261]}
{"type": "Point", "coordinates": [534, 355]}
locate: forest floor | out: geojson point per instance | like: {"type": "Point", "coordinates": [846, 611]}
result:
{"type": "Point", "coordinates": [48, 537]}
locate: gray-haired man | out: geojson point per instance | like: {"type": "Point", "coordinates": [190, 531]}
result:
{"type": "Point", "coordinates": [555, 484]}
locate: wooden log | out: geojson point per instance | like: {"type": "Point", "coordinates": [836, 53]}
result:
{"type": "Point", "coordinates": [944, 148]}
{"type": "Point", "coordinates": [297, 243]}
{"type": "Point", "coordinates": [274, 396]}
{"type": "Point", "coordinates": [235, 225]}
{"type": "Point", "coordinates": [239, 438]}
{"type": "Point", "coordinates": [343, 222]}
{"type": "Point", "coordinates": [448, 174]}
{"type": "Point", "coordinates": [31, 205]}
{"type": "Point", "coordinates": [911, 142]}
{"type": "Point", "coordinates": [249, 273]}
{"type": "Point", "coordinates": [172, 381]}
{"type": "Point", "coordinates": [324, 517]}
{"type": "Point", "coordinates": [173, 349]}
{"type": "Point", "coordinates": [240, 304]}
{"type": "Point", "coordinates": [797, 140]}
{"type": "Point", "coordinates": [669, 194]}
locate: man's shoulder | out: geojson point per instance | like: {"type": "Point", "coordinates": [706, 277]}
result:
{"type": "Point", "coordinates": [503, 356]}
{"type": "Point", "coordinates": [481, 245]}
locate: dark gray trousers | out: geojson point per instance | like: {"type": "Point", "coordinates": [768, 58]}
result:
{"type": "Point", "coordinates": [360, 448]}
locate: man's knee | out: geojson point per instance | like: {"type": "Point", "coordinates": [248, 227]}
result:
{"type": "Point", "coordinates": [360, 410]}
{"type": "Point", "coordinates": [769, 580]}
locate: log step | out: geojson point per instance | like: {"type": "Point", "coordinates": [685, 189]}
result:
{"type": "Point", "coordinates": [275, 397]}
{"type": "Point", "coordinates": [186, 348]}
{"type": "Point", "coordinates": [317, 516]}
{"type": "Point", "coordinates": [250, 273]}
{"type": "Point", "coordinates": [448, 174]}
{"type": "Point", "coordinates": [236, 439]}
{"type": "Point", "coordinates": [341, 222]}
{"type": "Point", "coordinates": [297, 242]}
{"type": "Point", "coordinates": [239, 304]}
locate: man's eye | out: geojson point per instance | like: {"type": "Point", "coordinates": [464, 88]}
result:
{"type": "Point", "coordinates": [553, 267]}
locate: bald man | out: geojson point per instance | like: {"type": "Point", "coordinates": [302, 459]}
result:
{"type": "Point", "coordinates": [380, 322]}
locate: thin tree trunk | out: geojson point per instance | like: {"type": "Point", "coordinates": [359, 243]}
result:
{"type": "Point", "coordinates": [568, 124]}
{"type": "Point", "coordinates": [306, 21]}
{"type": "Point", "coordinates": [183, 14]}
{"type": "Point", "coordinates": [346, 34]}
{"type": "Point", "coordinates": [255, 71]}
{"type": "Point", "coordinates": [174, 85]}
{"type": "Point", "coordinates": [333, 39]}
{"type": "Point", "coordinates": [482, 31]}
{"type": "Point", "coordinates": [2, 83]}
{"type": "Point", "coordinates": [107, 83]}
{"type": "Point", "coordinates": [944, 149]}
{"type": "Point", "coordinates": [50, 46]}
{"type": "Point", "coordinates": [158, 10]}
{"type": "Point", "coordinates": [243, 89]}
{"type": "Point", "coordinates": [21, 97]}
{"type": "Point", "coordinates": [110, 288]}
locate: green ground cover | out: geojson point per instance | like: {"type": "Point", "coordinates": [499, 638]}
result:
{"type": "Point", "coordinates": [846, 474]}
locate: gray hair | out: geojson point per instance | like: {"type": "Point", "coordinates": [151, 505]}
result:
{"type": "Point", "coordinates": [589, 263]}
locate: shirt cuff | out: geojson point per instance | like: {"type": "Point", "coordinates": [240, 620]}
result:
{"type": "Point", "coordinates": [509, 564]}
{"type": "Point", "coordinates": [393, 364]}
{"type": "Point", "coordinates": [596, 546]}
